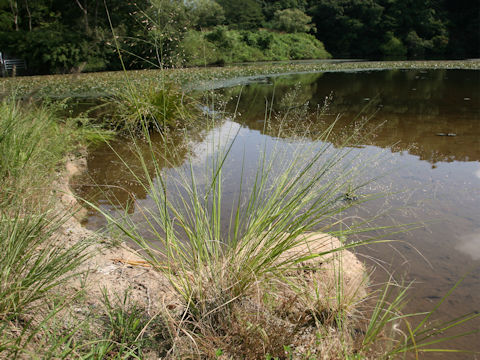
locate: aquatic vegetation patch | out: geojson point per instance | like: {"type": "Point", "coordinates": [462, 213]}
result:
{"type": "Point", "coordinates": [107, 83]}
{"type": "Point", "coordinates": [150, 106]}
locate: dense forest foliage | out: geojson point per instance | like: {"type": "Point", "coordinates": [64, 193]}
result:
{"type": "Point", "coordinates": [85, 35]}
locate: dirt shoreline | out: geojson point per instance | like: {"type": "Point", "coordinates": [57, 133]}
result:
{"type": "Point", "coordinates": [115, 269]}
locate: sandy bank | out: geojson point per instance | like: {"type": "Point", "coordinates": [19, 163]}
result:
{"type": "Point", "coordinates": [114, 269]}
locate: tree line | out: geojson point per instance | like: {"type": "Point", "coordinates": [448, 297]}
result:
{"type": "Point", "coordinates": [87, 35]}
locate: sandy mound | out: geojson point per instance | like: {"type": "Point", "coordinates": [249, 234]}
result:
{"type": "Point", "coordinates": [331, 270]}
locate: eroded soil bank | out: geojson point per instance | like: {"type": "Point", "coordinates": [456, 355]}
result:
{"type": "Point", "coordinates": [115, 269]}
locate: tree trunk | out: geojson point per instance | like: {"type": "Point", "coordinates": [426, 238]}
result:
{"type": "Point", "coordinates": [14, 8]}
{"type": "Point", "coordinates": [85, 14]}
{"type": "Point", "coordinates": [95, 18]}
{"type": "Point", "coordinates": [29, 16]}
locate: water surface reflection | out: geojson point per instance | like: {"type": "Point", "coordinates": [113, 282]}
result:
{"type": "Point", "coordinates": [425, 125]}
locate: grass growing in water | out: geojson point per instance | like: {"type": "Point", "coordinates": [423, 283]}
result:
{"type": "Point", "coordinates": [244, 286]}
{"type": "Point", "coordinates": [155, 106]}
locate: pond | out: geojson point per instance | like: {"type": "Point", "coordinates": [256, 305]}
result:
{"type": "Point", "coordinates": [421, 137]}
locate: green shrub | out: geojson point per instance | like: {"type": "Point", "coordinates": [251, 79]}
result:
{"type": "Point", "coordinates": [264, 39]}
{"type": "Point", "coordinates": [198, 51]}
{"type": "Point", "coordinates": [221, 37]}
{"type": "Point", "coordinates": [393, 47]}
{"type": "Point", "coordinates": [417, 45]}
{"type": "Point", "coordinates": [207, 13]}
{"type": "Point", "coordinates": [296, 47]}
{"type": "Point", "coordinates": [292, 21]}
{"type": "Point", "coordinates": [440, 43]}
{"type": "Point", "coordinates": [243, 14]}
{"type": "Point", "coordinates": [231, 46]}
{"type": "Point", "coordinates": [52, 48]}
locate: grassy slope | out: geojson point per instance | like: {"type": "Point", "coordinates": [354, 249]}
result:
{"type": "Point", "coordinates": [33, 262]}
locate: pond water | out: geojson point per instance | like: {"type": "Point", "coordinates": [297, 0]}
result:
{"type": "Point", "coordinates": [423, 131]}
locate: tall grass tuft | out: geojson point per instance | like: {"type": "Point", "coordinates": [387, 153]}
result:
{"type": "Point", "coordinates": [31, 145]}
{"type": "Point", "coordinates": [33, 259]}
{"type": "Point", "coordinates": [156, 106]}
{"type": "Point", "coordinates": [228, 275]}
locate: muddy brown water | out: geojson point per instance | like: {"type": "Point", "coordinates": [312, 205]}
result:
{"type": "Point", "coordinates": [423, 125]}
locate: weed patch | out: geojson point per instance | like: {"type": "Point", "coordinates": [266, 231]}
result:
{"type": "Point", "coordinates": [150, 107]}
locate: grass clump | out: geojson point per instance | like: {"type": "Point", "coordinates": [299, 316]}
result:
{"type": "Point", "coordinates": [34, 141]}
{"type": "Point", "coordinates": [34, 261]}
{"type": "Point", "coordinates": [253, 287]}
{"type": "Point", "coordinates": [31, 145]}
{"type": "Point", "coordinates": [125, 325]}
{"type": "Point", "coordinates": [257, 275]}
{"type": "Point", "coordinates": [127, 331]}
{"type": "Point", "coordinates": [151, 106]}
